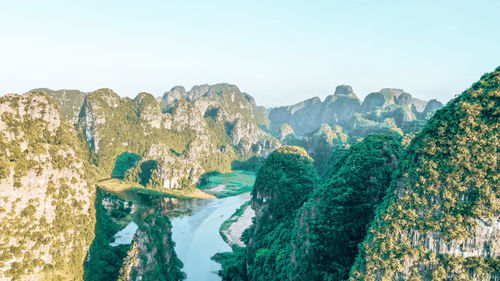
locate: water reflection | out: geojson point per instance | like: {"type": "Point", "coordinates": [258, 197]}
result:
{"type": "Point", "coordinates": [197, 235]}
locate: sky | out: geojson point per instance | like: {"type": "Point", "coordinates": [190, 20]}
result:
{"type": "Point", "coordinates": [280, 52]}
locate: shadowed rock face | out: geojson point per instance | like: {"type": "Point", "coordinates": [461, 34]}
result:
{"type": "Point", "coordinates": [344, 90]}
{"type": "Point", "coordinates": [69, 102]}
{"type": "Point", "coordinates": [281, 187]}
{"type": "Point", "coordinates": [404, 99]}
{"type": "Point", "coordinates": [333, 221]}
{"type": "Point", "coordinates": [306, 116]}
{"type": "Point", "coordinates": [388, 96]}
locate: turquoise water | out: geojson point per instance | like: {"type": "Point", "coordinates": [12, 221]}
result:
{"type": "Point", "coordinates": [197, 236]}
{"type": "Point", "coordinates": [233, 183]}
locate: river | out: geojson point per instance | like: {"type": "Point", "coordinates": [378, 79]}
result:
{"type": "Point", "coordinates": [197, 235]}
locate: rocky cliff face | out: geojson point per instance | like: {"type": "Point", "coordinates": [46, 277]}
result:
{"type": "Point", "coordinates": [224, 103]}
{"type": "Point", "coordinates": [389, 110]}
{"type": "Point", "coordinates": [152, 255]}
{"type": "Point", "coordinates": [47, 192]}
{"type": "Point", "coordinates": [198, 131]}
{"type": "Point", "coordinates": [329, 226]}
{"type": "Point", "coordinates": [301, 117]}
{"type": "Point", "coordinates": [69, 101]}
{"type": "Point", "coordinates": [319, 144]}
{"type": "Point", "coordinates": [441, 221]}
{"type": "Point", "coordinates": [178, 142]}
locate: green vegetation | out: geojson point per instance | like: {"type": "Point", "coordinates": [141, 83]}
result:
{"type": "Point", "coordinates": [233, 264]}
{"type": "Point", "coordinates": [334, 220]}
{"type": "Point", "coordinates": [104, 261]}
{"type": "Point", "coordinates": [282, 185]}
{"type": "Point", "coordinates": [446, 186]}
{"type": "Point", "coordinates": [146, 170]}
{"type": "Point", "coordinates": [364, 222]}
{"type": "Point", "coordinates": [36, 147]}
{"type": "Point", "coordinates": [123, 163]}
{"type": "Point", "coordinates": [309, 229]}
{"type": "Point", "coordinates": [156, 258]}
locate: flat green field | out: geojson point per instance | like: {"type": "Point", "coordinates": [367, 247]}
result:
{"type": "Point", "coordinates": [224, 185]}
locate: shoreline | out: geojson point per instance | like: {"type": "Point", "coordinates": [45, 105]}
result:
{"type": "Point", "coordinates": [232, 229]}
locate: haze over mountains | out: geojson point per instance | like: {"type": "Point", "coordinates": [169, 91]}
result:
{"type": "Point", "coordinates": [388, 188]}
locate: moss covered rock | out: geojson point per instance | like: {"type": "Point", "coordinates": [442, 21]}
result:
{"type": "Point", "coordinates": [46, 192]}
{"type": "Point", "coordinates": [440, 221]}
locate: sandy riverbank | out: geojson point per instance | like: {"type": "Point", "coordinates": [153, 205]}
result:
{"type": "Point", "coordinates": [235, 230]}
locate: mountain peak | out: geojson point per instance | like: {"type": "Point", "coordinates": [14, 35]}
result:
{"type": "Point", "coordinates": [343, 90]}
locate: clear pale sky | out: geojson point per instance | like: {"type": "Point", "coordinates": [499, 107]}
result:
{"type": "Point", "coordinates": [280, 52]}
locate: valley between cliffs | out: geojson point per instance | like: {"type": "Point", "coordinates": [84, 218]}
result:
{"type": "Point", "coordinates": [204, 184]}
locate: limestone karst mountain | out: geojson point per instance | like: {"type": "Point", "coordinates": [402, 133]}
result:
{"type": "Point", "coordinates": [307, 228]}
{"type": "Point", "coordinates": [69, 102]}
{"type": "Point", "coordinates": [47, 192]}
{"type": "Point", "coordinates": [430, 211]}
{"type": "Point", "coordinates": [441, 219]}
{"type": "Point", "coordinates": [198, 133]}
{"type": "Point", "coordinates": [282, 186]}
{"type": "Point", "coordinates": [308, 115]}
{"type": "Point", "coordinates": [323, 171]}
{"type": "Point", "coordinates": [333, 221]}
{"type": "Point", "coordinates": [391, 110]}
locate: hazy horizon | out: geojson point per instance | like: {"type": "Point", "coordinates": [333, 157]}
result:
{"type": "Point", "coordinates": [280, 52]}
{"type": "Point", "coordinates": [322, 98]}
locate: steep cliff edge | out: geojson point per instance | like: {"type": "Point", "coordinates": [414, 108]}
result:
{"type": "Point", "coordinates": [441, 219]}
{"type": "Point", "coordinates": [308, 228]}
{"type": "Point", "coordinates": [282, 185]}
{"type": "Point", "coordinates": [196, 132]}
{"type": "Point", "coordinates": [69, 101]}
{"type": "Point", "coordinates": [244, 121]}
{"type": "Point", "coordinates": [329, 226]}
{"type": "Point", "coordinates": [152, 255]}
{"type": "Point", "coordinates": [47, 192]}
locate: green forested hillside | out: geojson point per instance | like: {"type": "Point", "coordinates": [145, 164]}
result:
{"type": "Point", "coordinates": [306, 228]}
{"type": "Point", "coordinates": [430, 212]}
{"type": "Point", "coordinates": [334, 220]}
{"type": "Point", "coordinates": [282, 185]}
{"type": "Point", "coordinates": [441, 220]}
